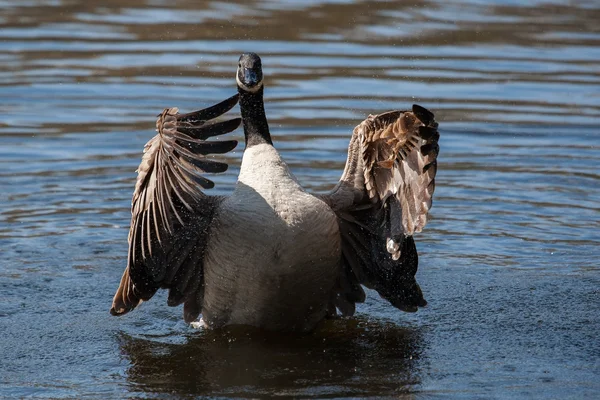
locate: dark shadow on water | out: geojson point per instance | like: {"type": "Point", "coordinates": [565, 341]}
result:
{"type": "Point", "coordinates": [343, 358]}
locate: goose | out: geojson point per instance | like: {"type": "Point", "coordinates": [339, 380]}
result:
{"type": "Point", "coordinates": [272, 255]}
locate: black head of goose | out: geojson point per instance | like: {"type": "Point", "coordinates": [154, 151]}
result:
{"type": "Point", "coordinates": [272, 255]}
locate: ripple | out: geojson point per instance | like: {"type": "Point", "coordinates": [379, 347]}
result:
{"type": "Point", "coordinates": [508, 260]}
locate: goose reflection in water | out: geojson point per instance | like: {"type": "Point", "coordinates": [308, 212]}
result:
{"type": "Point", "coordinates": [342, 357]}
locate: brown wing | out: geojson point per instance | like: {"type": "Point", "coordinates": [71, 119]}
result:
{"type": "Point", "coordinates": [382, 199]}
{"type": "Point", "coordinates": [170, 213]}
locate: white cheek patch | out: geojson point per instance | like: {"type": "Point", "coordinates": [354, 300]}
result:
{"type": "Point", "coordinates": [253, 89]}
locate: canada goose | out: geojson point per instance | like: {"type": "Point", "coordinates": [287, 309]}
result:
{"type": "Point", "coordinates": [272, 255]}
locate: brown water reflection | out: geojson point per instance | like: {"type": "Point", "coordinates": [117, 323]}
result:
{"type": "Point", "coordinates": [508, 262]}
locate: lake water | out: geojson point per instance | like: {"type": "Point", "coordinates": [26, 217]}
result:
{"type": "Point", "coordinates": [509, 262]}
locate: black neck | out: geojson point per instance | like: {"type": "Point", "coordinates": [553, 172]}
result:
{"type": "Point", "coordinates": [256, 128]}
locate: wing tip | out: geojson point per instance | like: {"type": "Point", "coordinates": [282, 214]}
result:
{"type": "Point", "coordinates": [428, 133]}
{"type": "Point", "coordinates": [430, 149]}
{"type": "Point", "coordinates": [210, 112]}
{"type": "Point", "coordinates": [117, 312]}
{"type": "Point", "coordinates": [126, 298]}
{"type": "Point", "coordinates": [410, 299]}
{"type": "Point", "coordinates": [121, 307]}
{"type": "Point", "coordinates": [423, 114]}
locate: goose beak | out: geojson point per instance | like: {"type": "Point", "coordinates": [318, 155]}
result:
{"type": "Point", "coordinates": [250, 78]}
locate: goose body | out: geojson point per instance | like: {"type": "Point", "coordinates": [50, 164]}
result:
{"type": "Point", "coordinates": [270, 236]}
{"type": "Point", "coordinates": [273, 255]}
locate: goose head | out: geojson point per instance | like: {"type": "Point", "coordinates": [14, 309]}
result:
{"type": "Point", "coordinates": [249, 75]}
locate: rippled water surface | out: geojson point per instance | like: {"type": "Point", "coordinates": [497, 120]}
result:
{"type": "Point", "coordinates": [509, 261]}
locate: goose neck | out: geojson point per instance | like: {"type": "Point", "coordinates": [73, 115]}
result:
{"type": "Point", "coordinates": [256, 127]}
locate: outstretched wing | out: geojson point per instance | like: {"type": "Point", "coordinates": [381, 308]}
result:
{"type": "Point", "coordinates": [170, 214]}
{"type": "Point", "coordinates": [383, 198]}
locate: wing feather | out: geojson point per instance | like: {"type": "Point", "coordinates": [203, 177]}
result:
{"type": "Point", "coordinates": [391, 167]}
{"type": "Point", "coordinates": [170, 213]}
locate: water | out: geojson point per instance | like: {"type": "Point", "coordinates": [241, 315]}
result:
{"type": "Point", "coordinates": [509, 260]}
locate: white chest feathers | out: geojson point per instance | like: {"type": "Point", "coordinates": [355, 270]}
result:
{"type": "Point", "coordinates": [270, 209]}
{"type": "Point", "coordinates": [266, 174]}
